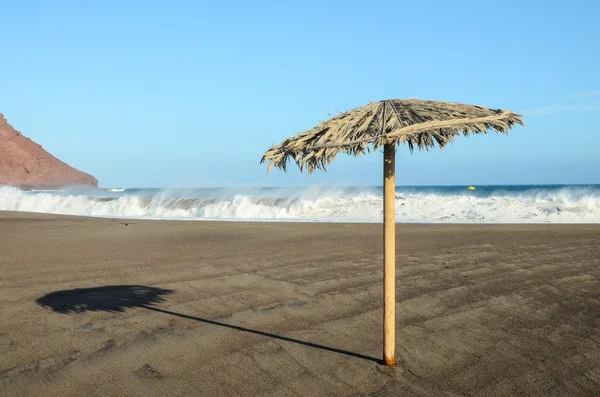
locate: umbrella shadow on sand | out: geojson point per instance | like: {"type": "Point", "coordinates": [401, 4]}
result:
{"type": "Point", "coordinates": [117, 298]}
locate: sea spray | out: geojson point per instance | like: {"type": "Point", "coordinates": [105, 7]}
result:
{"type": "Point", "coordinates": [488, 204]}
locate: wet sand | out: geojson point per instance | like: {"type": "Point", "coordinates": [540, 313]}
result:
{"type": "Point", "coordinates": [162, 308]}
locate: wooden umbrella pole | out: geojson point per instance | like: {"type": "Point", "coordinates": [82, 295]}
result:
{"type": "Point", "coordinates": [389, 254]}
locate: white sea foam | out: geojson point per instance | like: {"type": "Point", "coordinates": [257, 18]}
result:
{"type": "Point", "coordinates": [563, 205]}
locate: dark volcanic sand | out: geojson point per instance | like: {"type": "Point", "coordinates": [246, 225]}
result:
{"type": "Point", "coordinates": [291, 309]}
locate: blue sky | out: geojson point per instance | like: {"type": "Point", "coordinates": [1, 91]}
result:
{"type": "Point", "coordinates": [191, 93]}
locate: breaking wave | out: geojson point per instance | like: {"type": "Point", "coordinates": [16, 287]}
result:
{"type": "Point", "coordinates": [566, 204]}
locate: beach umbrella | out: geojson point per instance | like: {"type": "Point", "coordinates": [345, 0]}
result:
{"type": "Point", "coordinates": [389, 123]}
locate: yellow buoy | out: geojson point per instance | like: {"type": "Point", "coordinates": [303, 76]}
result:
{"type": "Point", "coordinates": [471, 187]}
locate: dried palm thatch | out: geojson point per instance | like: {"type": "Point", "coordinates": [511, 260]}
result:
{"type": "Point", "coordinates": [418, 123]}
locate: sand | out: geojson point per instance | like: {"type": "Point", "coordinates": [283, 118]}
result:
{"type": "Point", "coordinates": [293, 309]}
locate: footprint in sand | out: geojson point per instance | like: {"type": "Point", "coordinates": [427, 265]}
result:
{"type": "Point", "coordinates": [148, 372]}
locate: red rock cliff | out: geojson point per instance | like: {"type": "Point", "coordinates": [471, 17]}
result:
{"type": "Point", "coordinates": [26, 164]}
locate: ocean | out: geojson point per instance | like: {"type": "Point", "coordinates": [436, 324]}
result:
{"type": "Point", "coordinates": [414, 204]}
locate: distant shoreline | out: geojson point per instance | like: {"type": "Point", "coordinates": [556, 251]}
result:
{"type": "Point", "coordinates": [42, 215]}
{"type": "Point", "coordinates": [539, 204]}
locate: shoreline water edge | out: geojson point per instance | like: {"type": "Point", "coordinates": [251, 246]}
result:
{"type": "Point", "coordinates": [426, 204]}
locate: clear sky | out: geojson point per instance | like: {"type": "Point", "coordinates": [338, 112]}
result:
{"type": "Point", "coordinates": [191, 93]}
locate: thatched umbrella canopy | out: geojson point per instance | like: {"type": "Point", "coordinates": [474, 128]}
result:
{"type": "Point", "coordinates": [420, 124]}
